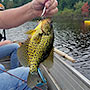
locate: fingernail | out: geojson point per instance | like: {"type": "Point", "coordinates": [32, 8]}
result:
{"type": "Point", "coordinates": [47, 4]}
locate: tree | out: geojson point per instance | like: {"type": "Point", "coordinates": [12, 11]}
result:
{"type": "Point", "coordinates": [9, 4]}
{"type": "Point", "coordinates": [67, 4]}
{"type": "Point", "coordinates": [78, 7]}
{"type": "Point", "coordinates": [67, 12]}
{"type": "Point", "coordinates": [14, 3]}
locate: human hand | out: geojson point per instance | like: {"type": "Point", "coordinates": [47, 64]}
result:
{"type": "Point", "coordinates": [51, 6]}
{"type": "Point", "coordinates": [5, 42]}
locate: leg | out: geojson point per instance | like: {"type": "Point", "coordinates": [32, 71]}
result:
{"type": "Point", "coordinates": [8, 82]}
{"type": "Point", "coordinates": [10, 50]}
{"type": "Point", "coordinates": [14, 58]}
{"type": "Point", "coordinates": [2, 67]}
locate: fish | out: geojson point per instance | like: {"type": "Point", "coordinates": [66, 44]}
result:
{"type": "Point", "coordinates": [37, 49]}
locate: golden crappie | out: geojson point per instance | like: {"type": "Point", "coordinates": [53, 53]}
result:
{"type": "Point", "coordinates": [36, 49]}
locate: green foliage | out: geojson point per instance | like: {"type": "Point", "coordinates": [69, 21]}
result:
{"type": "Point", "coordinates": [67, 12]}
{"type": "Point", "coordinates": [70, 7]}
{"type": "Point", "coordinates": [9, 4]}
{"type": "Point", "coordinates": [69, 3]}
{"type": "Point", "coordinates": [78, 6]}
{"type": "Point", "coordinates": [14, 3]}
{"type": "Point", "coordinates": [65, 6]}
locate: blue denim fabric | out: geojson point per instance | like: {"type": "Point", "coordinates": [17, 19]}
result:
{"type": "Point", "coordinates": [8, 82]}
{"type": "Point", "coordinates": [10, 50]}
{"type": "Point", "coordinates": [2, 67]}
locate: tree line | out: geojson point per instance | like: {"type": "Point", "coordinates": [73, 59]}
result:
{"type": "Point", "coordinates": [69, 3]}
{"type": "Point", "coordinates": [65, 6]}
{"type": "Point", "coordinates": [71, 7]}
{"type": "Point", "coordinates": [13, 3]}
{"type": "Point", "coordinates": [62, 3]}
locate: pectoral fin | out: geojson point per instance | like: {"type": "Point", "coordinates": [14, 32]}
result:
{"type": "Point", "coordinates": [30, 32]}
{"type": "Point", "coordinates": [22, 53]}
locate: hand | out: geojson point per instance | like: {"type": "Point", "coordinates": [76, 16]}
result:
{"type": "Point", "coordinates": [51, 6]}
{"type": "Point", "coordinates": [5, 42]}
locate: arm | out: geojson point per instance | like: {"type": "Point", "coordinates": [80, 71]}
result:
{"type": "Point", "coordinates": [14, 17]}
{"type": "Point", "coordinates": [5, 42]}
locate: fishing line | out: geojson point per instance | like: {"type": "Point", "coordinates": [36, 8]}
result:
{"type": "Point", "coordinates": [38, 88]}
{"type": "Point", "coordinates": [19, 78]}
{"type": "Point", "coordinates": [14, 76]}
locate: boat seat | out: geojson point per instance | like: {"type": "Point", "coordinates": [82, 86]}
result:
{"type": "Point", "coordinates": [6, 62]}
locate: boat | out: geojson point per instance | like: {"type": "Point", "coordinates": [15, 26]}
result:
{"type": "Point", "coordinates": [87, 22]}
{"type": "Point", "coordinates": [61, 76]}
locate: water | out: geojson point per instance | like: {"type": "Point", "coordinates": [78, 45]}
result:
{"type": "Point", "coordinates": [69, 38]}
{"type": "Point", "coordinates": [73, 40]}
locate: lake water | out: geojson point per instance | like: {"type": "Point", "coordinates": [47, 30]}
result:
{"type": "Point", "coordinates": [69, 38]}
{"type": "Point", "coordinates": [73, 40]}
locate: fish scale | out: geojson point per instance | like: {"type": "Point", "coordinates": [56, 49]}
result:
{"type": "Point", "coordinates": [36, 49]}
{"type": "Point", "coordinates": [39, 53]}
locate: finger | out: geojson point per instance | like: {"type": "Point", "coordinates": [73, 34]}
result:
{"type": "Point", "coordinates": [54, 5]}
{"type": "Point", "coordinates": [49, 3]}
{"type": "Point", "coordinates": [52, 12]}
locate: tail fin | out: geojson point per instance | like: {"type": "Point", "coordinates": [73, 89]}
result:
{"type": "Point", "coordinates": [33, 79]}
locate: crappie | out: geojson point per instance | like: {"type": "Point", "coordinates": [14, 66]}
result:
{"type": "Point", "coordinates": [36, 49]}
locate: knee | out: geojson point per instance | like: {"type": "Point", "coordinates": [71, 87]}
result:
{"type": "Point", "coordinates": [15, 45]}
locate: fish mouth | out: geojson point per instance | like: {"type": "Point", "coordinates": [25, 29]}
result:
{"type": "Point", "coordinates": [48, 23]}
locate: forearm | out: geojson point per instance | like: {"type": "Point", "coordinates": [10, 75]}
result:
{"type": "Point", "coordinates": [5, 42]}
{"type": "Point", "coordinates": [2, 43]}
{"type": "Point", "coordinates": [15, 17]}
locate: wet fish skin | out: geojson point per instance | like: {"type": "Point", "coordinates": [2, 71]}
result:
{"type": "Point", "coordinates": [36, 49]}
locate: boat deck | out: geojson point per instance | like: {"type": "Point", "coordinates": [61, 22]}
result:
{"type": "Point", "coordinates": [6, 62]}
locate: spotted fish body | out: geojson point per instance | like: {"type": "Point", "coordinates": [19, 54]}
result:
{"type": "Point", "coordinates": [36, 49]}
{"type": "Point", "coordinates": [41, 52]}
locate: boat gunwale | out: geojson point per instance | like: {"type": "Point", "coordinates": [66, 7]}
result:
{"type": "Point", "coordinates": [74, 71]}
{"type": "Point", "coordinates": [51, 77]}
